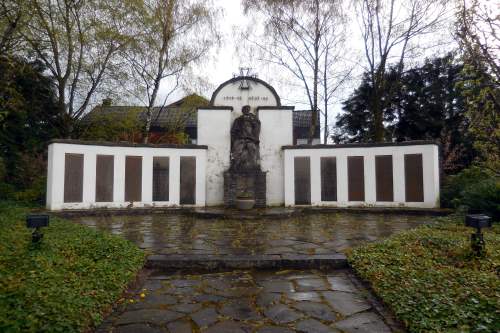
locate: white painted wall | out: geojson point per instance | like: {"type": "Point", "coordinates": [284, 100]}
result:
{"type": "Point", "coordinates": [55, 174]}
{"type": "Point", "coordinates": [276, 131]}
{"type": "Point", "coordinates": [244, 97]}
{"type": "Point", "coordinates": [430, 165]}
{"type": "Point", "coordinates": [214, 131]}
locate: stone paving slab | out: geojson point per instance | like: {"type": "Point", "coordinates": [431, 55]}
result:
{"type": "Point", "coordinates": [248, 301]}
{"type": "Point", "coordinates": [317, 236]}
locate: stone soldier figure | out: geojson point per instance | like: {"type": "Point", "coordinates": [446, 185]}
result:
{"type": "Point", "coordinates": [245, 142]}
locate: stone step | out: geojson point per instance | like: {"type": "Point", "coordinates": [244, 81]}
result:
{"type": "Point", "coordinates": [224, 262]}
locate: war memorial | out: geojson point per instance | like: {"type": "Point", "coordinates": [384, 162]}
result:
{"type": "Point", "coordinates": [247, 154]}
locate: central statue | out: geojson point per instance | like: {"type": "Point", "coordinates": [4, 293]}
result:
{"type": "Point", "coordinates": [245, 142]}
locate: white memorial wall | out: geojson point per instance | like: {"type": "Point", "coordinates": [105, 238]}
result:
{"type": "Point", "coordinates": [278, 159]}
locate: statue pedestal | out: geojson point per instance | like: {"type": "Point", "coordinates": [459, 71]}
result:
{"type": "Point", "coordinates": [249, 184]}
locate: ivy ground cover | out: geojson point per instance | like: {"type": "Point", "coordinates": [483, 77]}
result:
{"type": "Point", "coordinates": [431, 280]}
{"type": "Point", "coordinates": [68, 282]}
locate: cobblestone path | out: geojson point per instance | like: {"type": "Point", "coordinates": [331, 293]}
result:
{"type": "Point", "coordinates": [248, 301]}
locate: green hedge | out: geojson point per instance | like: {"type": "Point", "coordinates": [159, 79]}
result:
{"type": "Point", "coordinates": [475, 189]}
{"type": "Point", "coordinates": [430, 279]}
{"type": "Point", "coordinates": [67, 283]}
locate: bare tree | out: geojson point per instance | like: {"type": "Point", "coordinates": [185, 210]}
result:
{"type": "Point", "coordinates": [388, 27]}
{"type": "Point", "coordinates": [478, 28]}
{"type": "Point", "coordinates": [305, 37]}
{"type": "Point", "coordinates": [12, 20]}
{"type": "Point", "coordinates": [170, 36]}
{"type": "Point", "coordinates": [479, 34]}
{"type": "Point", "coordinates": [77, 41]}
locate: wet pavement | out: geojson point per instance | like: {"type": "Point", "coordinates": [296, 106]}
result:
{"type": "Point", "coordinates": [248, 301]}
{"type": "Point", "coordinates": [314, 234]}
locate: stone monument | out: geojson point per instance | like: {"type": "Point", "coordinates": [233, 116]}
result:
{"type": "Point", "coordinates": [245, 180]}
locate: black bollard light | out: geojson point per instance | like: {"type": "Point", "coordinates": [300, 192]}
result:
{"type": "Point", "coordinates": [477, 221]}
{"type": "Point", "coordinates": [37, 221]}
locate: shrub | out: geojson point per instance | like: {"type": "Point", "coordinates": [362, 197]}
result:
{"type": "Point", "coordinates": [68, 282]}
{"type": "Point", "coordinates": [475, 189]}
{"type": "Point", "coordinates": [431, 280]}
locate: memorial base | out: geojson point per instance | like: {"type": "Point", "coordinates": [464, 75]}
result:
{"type": "Point", "coordinates": [245, 184]}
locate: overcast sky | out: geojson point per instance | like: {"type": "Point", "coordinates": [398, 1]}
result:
{"type": "Point", "coordinates": [225, 61]}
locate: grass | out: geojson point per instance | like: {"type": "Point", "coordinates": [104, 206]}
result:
{"type": "Point", "coordinates": [431, 280]}
{"type": "Point", "coordinates": [65, 285]}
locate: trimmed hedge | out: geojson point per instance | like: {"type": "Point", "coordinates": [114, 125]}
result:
{"type": "Point", "coordinates": [68, 282]}
{"type": "Point", "coordinates": [431, 280]}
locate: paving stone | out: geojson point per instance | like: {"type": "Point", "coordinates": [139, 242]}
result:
{"type": "Point", "coordinates": [203, 298]}
{"type": "Point", "coordinates": [304, 296]}
{"type": "Point", "coordinates": [184, 283]}
{"type": "Point", "coordinates": [238, 292]}
{"type": "Point", "coordinates": [265, 299]}
{"type": "Point", "coordinates": [341, 283]}
{"type": "Point", "coordinates": [153, 316]}
{"type": "Point", "coordinates": [277, 286]}
{"type": "Point", "coordinates": [186, 307]}
{"type": "Point", "coordinates": [279, 250]}
{"type": "Point", "coordinates": [218, 284]}
{"type": "Point", "coordinates": [178, 327]}
{"type": "Point", "coordinates": [179, 291]}
{"type": "Point", "coordinates": [317, 310]}
{"type": "Point", "coordinates": [240, 310]}
{"type": "Point", "coordinates": [205, 317]}
{"type": "Point", "coordinates": [134, 328]}
{"type": "Point", "coordinates": [153, 285]}
{"type": "Point", "coordinates": [311, 284]}
{"type": "Point", "coordinates": [282, 314]}
{"type": "Point", "coordinates": [228, 326]}
{"type": "Point", "coordinates": [346, 303]}
{"type": "Point", "coordinates": [366, 322]}
{"type": "Point", "coordinates": [152, 301]}
{"type": "Point", "coordinates": [274, 329]}
{"type": "Point", "coordinates": [314, 326]}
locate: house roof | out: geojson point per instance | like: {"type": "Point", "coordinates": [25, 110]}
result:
{"type": "Point", "coordinates": [177, 115]}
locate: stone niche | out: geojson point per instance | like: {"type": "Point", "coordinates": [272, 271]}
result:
{"type": "Point", "coordinates": [252, 183]}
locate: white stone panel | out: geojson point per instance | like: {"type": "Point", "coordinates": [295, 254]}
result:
{"type": "Point", "coordinates": [276, 131]}
{"type": "Point", "coordinates": [55, 174]}
{"type": "Point", "coordinates": [430, 165]}
{"type": "Point", "coordinates": [214, 131]}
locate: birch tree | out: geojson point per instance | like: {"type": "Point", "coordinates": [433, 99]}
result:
{"type": "Point", "coordinates": [306, 38]}
{"type": "Point", "coordinates": [77, 40]}
{"type": "Point", "coordinates": [170, 36]}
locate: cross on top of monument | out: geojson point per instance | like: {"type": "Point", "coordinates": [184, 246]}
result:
{"type": "Point", "coordinates": [245, 72]}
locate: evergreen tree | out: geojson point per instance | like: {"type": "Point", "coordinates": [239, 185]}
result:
{"type": "Point", "coordinates": [426, 103]}
{"type": "Point", "coordinates": [28, 119]}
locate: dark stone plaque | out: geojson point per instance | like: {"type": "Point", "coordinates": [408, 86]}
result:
{"type": "Point", "coordinates": [104, 178]}
{"type": "Point", "coordinates": [252, 183]}
{"type": "Point", "coordinates": [356, 178]}
{"type": "Point", "coordinates": [414, 178]}
{"type": "Point", "coordinates": [384, 178]}
{"type": "Point", "coordinates": [188, 180]}
{"type": "Point", "coordinates": [133, 178]}
{"type": "Point", "coordinates": [161, 173]}
{"type": "Point", "coordinates": [302, 166]}
{"type": "Point", "coordinates": [328, 179]}
{"type": "Point", "coordinates": [73, 178]}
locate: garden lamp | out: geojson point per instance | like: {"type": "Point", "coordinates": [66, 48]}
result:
{"type": "Point", "coordinates": [36, 221]}
{"type": "Point", "coordinates": [477, 221]}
